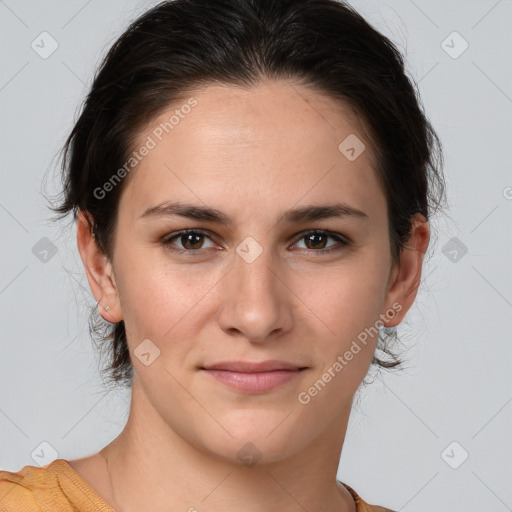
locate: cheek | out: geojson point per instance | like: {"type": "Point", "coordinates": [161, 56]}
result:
{"type": "Point", "coordinates": [350, 297]}
{"type": "Point", "coordinates": [160, 301]}
{"type": "Point", "coordinates": [348, 304]}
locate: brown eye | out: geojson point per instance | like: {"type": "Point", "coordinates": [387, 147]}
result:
{"type": "Point", "coordinates": [315, 241]}
{"type": "Point", "coordinates": [189, 241]}
{"type": "Point", "coordinates": [192, 241]}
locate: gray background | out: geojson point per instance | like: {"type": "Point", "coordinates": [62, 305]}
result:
{"type": "Point", "coordinates": [457, 385]}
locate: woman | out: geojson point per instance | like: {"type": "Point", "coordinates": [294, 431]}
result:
{"type": "Point", "coordinates": [252, 183]}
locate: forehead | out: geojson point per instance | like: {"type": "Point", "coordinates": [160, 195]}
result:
{"type": "Point", "coordinates": [276, 140]}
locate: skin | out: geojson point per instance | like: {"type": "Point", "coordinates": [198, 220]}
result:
{"type": "Point", "coordinates": [252, 154]}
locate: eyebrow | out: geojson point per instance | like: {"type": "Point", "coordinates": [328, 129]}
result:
{"type": "Point", "coordinates": [295, 216]}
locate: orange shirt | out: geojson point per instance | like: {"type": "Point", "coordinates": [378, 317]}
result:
{"type": "Point", "coordinates": [57, 487]}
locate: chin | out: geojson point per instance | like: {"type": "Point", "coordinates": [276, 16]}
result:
{"type": "Point", "coordinates": [264, 441]}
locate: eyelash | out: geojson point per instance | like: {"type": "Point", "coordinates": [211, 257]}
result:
{"type": "Point", "coordinates": [167, 241]}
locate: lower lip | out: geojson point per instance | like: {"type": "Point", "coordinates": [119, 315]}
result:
{"type": "Point", "coordinates": [257, 382]}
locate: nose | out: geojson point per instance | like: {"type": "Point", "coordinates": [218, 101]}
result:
{"type": "Point", "coordinates": [256, 302]}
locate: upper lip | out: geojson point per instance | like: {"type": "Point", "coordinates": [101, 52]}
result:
{"type": "Point", "coordinates": [252, 367]}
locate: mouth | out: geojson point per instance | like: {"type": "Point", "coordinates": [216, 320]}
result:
{"type": "Point", "coordinates": [256, 377]}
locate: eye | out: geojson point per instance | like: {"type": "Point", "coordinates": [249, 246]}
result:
{"type": "Point", "coordinates": [192, 241]}
{"type": "Point", "coordinates": [315, 241]}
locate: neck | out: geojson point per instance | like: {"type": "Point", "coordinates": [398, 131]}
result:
{"type": "Point", "coordinates": [156, 469]}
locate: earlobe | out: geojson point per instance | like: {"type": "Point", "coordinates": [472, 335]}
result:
{"type": "Point", "coordinates": [99, 271]}
{"type": "Point", "coordinates": [406, 275]}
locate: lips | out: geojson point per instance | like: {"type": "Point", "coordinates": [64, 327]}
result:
{"type": "Point", "coordinates": [253, 367]}
{"type": "Point", "coordinates": [253, 377]}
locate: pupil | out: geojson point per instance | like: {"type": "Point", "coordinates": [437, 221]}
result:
{"type": "Point", "coordinates": [191, 236]}
{"type": "Point", "coordinates": [312, 237]}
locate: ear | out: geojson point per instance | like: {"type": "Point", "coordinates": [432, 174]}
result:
{"type": "Point", "coordinates": [405, 276]}
{"type": "Point", "coordinates": [99, 271]}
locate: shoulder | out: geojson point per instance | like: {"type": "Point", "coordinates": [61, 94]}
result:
{"type": "Point", "coordinates": [366, 507]}
{"type": "Point", "coordinates": [54, 487]}
{"type": "Point", "coordinates": [31, 489]}
{"type": "Point", "coordinates": [16, 491]}
{"type": "Point", "coordinates": [363, 506]}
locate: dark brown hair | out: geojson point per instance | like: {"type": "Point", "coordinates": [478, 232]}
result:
{"type": "Point", "coordinates": [179, 46]}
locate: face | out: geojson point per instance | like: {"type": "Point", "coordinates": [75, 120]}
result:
{"type": "Point", "coordinates": [287, 258]}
